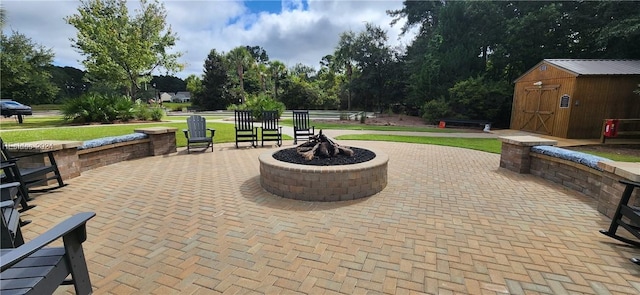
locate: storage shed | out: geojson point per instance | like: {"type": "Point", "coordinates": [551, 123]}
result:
{"type": "Point", "coordinates": [570, 98]}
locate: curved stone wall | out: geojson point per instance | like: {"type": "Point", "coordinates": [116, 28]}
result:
{"type": "Point", "coordinates": [323, 183]}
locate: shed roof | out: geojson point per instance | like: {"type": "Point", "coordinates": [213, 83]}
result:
{"type": "Point", "coordinates": [598, 66]}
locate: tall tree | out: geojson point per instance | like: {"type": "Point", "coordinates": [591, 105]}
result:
{"type": "Point", "coordinates": [240, 59]}
{"type": "Point", "coordinates": [344, 59]}
{"type": "Point", "coordinates": [278, 70]}
{"type": "Point", "coordinates": [373, 57]}
{"type": "Point", "coordinates": [258, 53]}
{"type": "Point", "coordinates": [24, 66]}
{"type": "Point", "coordinates": [124, 49]}
{"type": "Point", "coordinates": [215, 82]}
{"type": "Point", "coordinates": [303, 71]}
{"type": "Point", "coordinates": [194, 86]}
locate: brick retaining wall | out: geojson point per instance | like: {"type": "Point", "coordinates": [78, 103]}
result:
{"type": "Point", "coordinates": [567, 173]}
{"type": "Point", "coordinates": [113, 153]}
{"type": "Point", "coordinates": [72, 161]}
{"type": "Point", "coordinates": [602, 185]}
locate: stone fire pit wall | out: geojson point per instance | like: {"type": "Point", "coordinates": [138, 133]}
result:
{"type": "Point", "coordinates": [323, 183]}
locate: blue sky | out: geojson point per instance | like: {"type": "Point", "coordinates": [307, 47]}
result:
{"type": "Point", "coordinates": [269, 6]}
{"type": "Point", "coordinates": [292, 31]}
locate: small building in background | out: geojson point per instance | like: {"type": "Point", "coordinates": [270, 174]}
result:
{"type": "Point", "coordinates": [181, 96]}
{"type": "Point", "coordinates": [570, 98]}
{"type": "Point", "coordinates": [165, 97]}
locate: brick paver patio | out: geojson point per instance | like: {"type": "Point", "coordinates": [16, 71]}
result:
{"type": "Point", "coordinates": [450, 221]}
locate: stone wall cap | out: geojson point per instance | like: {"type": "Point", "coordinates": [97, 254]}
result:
{"type": "Point", "coordinates": [43, 145]}
{"type": "Point", "coordinates": [156, 130]}
{"type": "Point", "coordinates": [628, 170]}
{"type": "Point", "coordinates": [527, 140]}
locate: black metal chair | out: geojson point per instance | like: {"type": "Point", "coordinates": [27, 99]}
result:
{"type": "Point", "coordinates": [271, 129]}
{"type": "Point", "coordinates": [302, 126]}
{"type": "Point", "coordinates": [196, 133]}
{"type": "Point", "coordinates": [245, 132]}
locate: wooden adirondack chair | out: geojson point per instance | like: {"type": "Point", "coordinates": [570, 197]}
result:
{"type": "Point", "coordinates": [271, 129]}
{"type": "Point", "coordinates": [196, 133]}
{"type": "Point", "coordinates": [34, 268]}
{"type": "Point", "coordinates": [12, 176]}
{"type": "Point", "coordinates": [245, 132]}
{"type": "Point", "coordinates": [36, 175]}
{"type": "Point", "coordinates": [301, 126]}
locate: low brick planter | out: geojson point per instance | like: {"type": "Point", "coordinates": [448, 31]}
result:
{"type": "Point", "coordinates": [323, 183]}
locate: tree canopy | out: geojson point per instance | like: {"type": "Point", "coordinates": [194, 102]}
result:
{"type": "Point", "coordinates": [124, 50]}
{"type": "Point", "coordinates": [24, 67]}
{"type": "Point", "coordinates": [461, 43]}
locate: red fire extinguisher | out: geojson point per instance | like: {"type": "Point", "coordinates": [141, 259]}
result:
{"type": "Point", "coordinates": [611, 128]}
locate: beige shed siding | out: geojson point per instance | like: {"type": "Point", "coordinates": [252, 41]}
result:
{"type": "Point", "coordinates": [597, 96]}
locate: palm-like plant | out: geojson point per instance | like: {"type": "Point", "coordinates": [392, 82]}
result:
{"type": "Point", "coordinates": [240, 58]}
{"type": "Point", "coordinates": [277, 69]}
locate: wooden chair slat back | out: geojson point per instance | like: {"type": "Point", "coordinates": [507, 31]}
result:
{"type": "Point", "coordinates": [244, 120]}
{"type": "Point", "coordinates": [197, 126]}
{"type": "Point", "coordinates": [301, 120]}
{"type": "Point", "coordinates": [270, 120]}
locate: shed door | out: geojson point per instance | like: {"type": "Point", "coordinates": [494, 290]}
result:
{"type": "Point", "coordinates": [539, 109]}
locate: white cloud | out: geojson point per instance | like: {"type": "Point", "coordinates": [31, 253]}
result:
{"type": "Point", "coordinates": [301, 32]}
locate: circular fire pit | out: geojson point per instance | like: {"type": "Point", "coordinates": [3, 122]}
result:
{"type": "Point", "coordinates": [323, 183]}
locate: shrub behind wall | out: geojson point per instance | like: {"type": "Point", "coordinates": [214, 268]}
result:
{"type": "Point", "coordinates": [107, 108]}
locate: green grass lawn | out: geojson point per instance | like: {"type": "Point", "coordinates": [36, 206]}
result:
{"type": "Point", "coordinates": [481, 144]}
{"type": "Point", "coordinates": [224, 132]}
{"type": "Point", "coordinates": [324, 125]}
{"type": "Point", "coordinates": [34, 122]}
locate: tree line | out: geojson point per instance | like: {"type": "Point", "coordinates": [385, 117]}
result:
{"type": "Point", "coordinates": [462, 62]}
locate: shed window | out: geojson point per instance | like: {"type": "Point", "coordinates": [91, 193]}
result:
{"type": "Point", "coordinates": [543, 68]}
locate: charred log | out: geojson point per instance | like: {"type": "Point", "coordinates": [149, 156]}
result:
{"type": "Point", "coordinates": [322, 146]}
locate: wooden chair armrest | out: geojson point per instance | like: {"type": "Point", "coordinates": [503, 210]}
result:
{"type": "Point", "coordinates": [71, 225]}
{"type": "Point", "coordinates": [7, 204]}
{"type": "Point", "coordinates": [186, 132]}
{"type": "Point", "coordinates": [9, 162]}
{"type": "Point", "coordinates": [629, 182]}
{"type": "Point", "coordinates": [31, 154]}
{"type": "Point", "coordinates": [213, 131]}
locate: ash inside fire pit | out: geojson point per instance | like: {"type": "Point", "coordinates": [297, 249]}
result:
{"type": "Point", "coordinates": [291, 156]}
